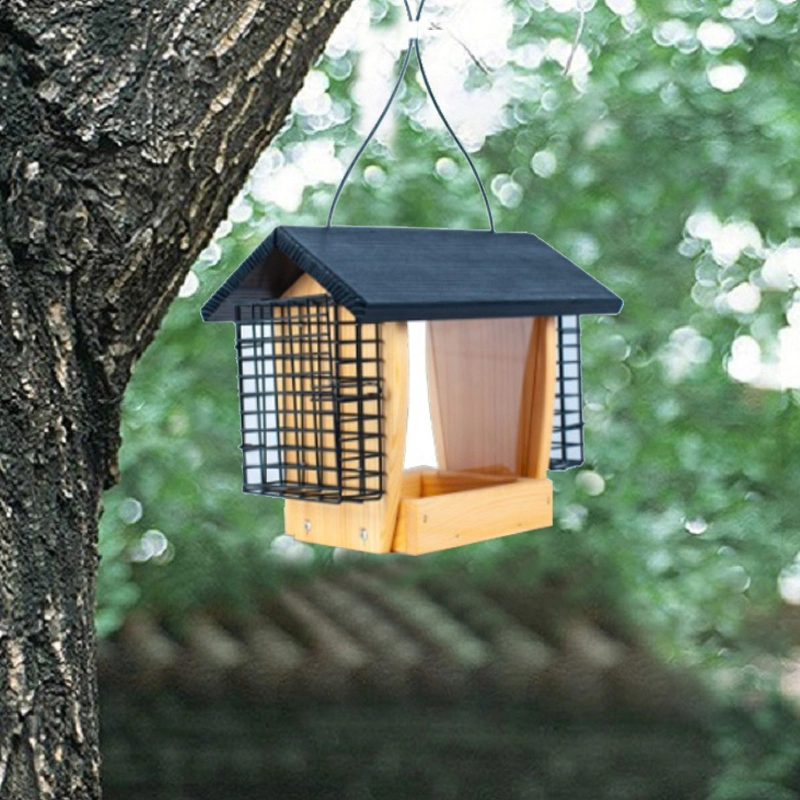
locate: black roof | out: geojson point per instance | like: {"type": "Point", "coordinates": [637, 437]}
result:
{"type": "Point", "coordinates": [383, 274]}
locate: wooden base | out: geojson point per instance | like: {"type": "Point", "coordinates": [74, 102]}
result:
{"type": "Point", "coordinates": [438, 510]}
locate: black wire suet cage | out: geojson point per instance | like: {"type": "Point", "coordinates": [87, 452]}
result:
{"type": "Point", "coordinates": [566, 449]}
{"type": "Point", "coordinates": [310, 394]}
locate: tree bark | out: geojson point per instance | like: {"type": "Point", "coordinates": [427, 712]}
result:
{"type": "Point", "coordinates": [126, 128]}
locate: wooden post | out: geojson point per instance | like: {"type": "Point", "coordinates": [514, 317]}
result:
{"type": "Point", "coordinates": [538, 399]}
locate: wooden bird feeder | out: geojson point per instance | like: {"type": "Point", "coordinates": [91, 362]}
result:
{"type": "Point", "coordinates": [321, 318]}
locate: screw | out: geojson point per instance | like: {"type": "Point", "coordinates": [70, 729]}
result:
{"type": "Point", "coordinates": [307, 525]}
{"type": "Point", "coordinates": [364, 535]}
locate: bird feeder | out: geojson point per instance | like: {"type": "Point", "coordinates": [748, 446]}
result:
{"type": "Point", "coordinates": [322, 315]}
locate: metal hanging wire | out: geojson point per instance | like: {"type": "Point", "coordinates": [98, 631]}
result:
{"type": "Point", "coordinates": [413, 43]}
{"type": "Point", "coordinates": [576, 41]}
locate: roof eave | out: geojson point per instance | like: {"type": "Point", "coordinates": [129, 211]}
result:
{"type": "Point", "coordinates": [396, 312]}
{"type": "Point", "coordinates": [341, 292]}
{"type": "Point", "coordinates": [210, 312]}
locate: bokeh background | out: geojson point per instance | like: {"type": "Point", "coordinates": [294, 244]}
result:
{"type": "Point", "coordinates": [648, 644]}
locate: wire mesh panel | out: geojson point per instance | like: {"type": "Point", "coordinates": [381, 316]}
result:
{"type": "Point", "coordinates": [310, 393]}
{"type": "Point", "coordinates": [566, 449]}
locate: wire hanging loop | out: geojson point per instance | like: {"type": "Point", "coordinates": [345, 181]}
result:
{"type": "Point", "coordinates": [453, 134]}
{"type": "Point", "coordinates": [413, 43]}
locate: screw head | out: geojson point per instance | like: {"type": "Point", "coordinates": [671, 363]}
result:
{"type": "Point", "coordinates": [364, 535]}
{"type": "Point", "coordinates": [307, 525]}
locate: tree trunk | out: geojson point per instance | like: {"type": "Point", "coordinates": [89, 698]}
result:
{"type": "Point", "coordinates": [126, 128]}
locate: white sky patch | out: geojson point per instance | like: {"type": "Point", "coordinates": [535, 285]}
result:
{"type": "Point", "coordinates": [728, 240]}
{"type": "Point", "coordinates": [743, 299]}
{"type": "Point", "coordinates": [672, 33]}
{"type": "Point", "coordinates": [789, 357]}
{"type": "Point", "coordinates": [223, 229]}
{"type": "Point", "coordinates": [473, 113]}
{"type": "Point", "coordinates": [765, 12]}
{"type": "Point", "coordinates": [567, 6]}
{"type": "Point", "coordinates": [781, 270]}
{"type": "Point", "coordinates": [313, 98]}
{"type": "Point", "coordinates": [715, 36]}
{"type": "Point", "coordinates": [351, 32]}
{"type": "Point", "coordinates": [732, 240]}
{"type": "Point", "coordinates": [793, 313]}
{"type": "Point", "coordinates": [772, 365]}
{"type": "Point", "coordinates": [446, 168]}
{"type": "Point", "coordinates": [621, 8]}
{"type": "Point", "coordinates": [544, 163]}
{"type": "Point", "coordinates": [284, 188]}
{"type": "Point", "coordinates": [130, 510]}
{"type": "Point", "coordinates": [189, 286]}
{"type": "Point", "coordinates": [685, 350]}
{"type": "Point", "coordinates": [240, 210]}
{"type": "Point", "coordinates": [317, 161]}
{"type": "Point", "coordinates": [739, 9]}
{"type": "Point", "coordinates": [726, 77]}
{"type": "Point", "coordinates": [374, 176]}
{"type": "Point", "coordinates": [529, 55]}
{"type": "Point", "coordinates": [789, 584]}
{"type": "Point", "coordinates": [563, 6]}
{"type": "Point", "coordinates": [703, 224]}
{"type": "Point", "coordinates": [506, 190]}
{"type": "Point", "coordinates": [152, 544]}
{"type": "Point", "coordinates": [696, 526]}
{"type": "Point", "coordinates": [280, 178]}
{"type": "Point", "coordinates": [744, 364]}
{"type": "Point", "coordinates": [559, 50]}
{"type": "Point", "coordinates": [420, 446]}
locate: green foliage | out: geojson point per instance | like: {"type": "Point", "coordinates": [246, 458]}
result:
{"type": "Point", "coordinates": [685, 513]}
{"type": "Point", "coordinates": [760, 754]}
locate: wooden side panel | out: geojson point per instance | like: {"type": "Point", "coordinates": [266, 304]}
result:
{"type": "Point", "coordinates": [412, 482]}
{"type": "Point", "coordinates": [438, 522]}
{"type": "Point", "coordinates": [538, 399]}
{"type": "Point", "coordinates": [475, 376]}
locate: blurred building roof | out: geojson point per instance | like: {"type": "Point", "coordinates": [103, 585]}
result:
{"type": "Point", "coordinates": [379, 633]}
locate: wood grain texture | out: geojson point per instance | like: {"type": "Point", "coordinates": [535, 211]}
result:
{"type": "Point", "coordinates": [538, 400]}
{"type": "Point", "coordinates": [437, 421]}
{"type": "Point", "coordinates": [436, 482]}
{"type": "Point", "coordinates": [304, 286]}
{"type": "Point", "coordinates": [127, 128]}
{"type": "Point", "coordinates": [475, 376]}
{"type": "Point", "coordinates": [500, 507]}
